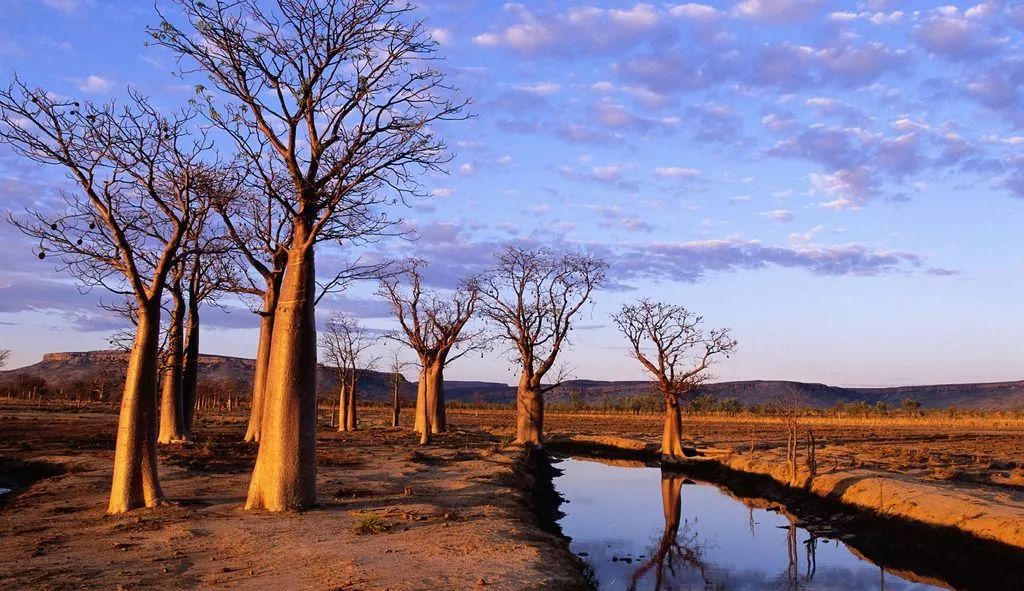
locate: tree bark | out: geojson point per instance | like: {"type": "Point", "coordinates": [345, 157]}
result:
{"type": "Point", "coordinates": [190, 369]}
{"type": "Point", "coordinates": [259, 382]}
{"type": "Point", "coordinates": [172, 416]}
{"type": "Point", "coordinates": [529, 413]}
{"type": "Point", "coordinates": [351, 419]}
{"type": "Point", "coordinates": [285, 473]}
{"type": "Point", "coordinates": [396, 403]}
{"type": "Point", "coordinates": [421, 399]}
{"type": "Point", "coordinates": [346, 404]}
{"type": "Point", "coordinates": [672, 435]}
{"type": "Point", "coordinates": [135, 480]}
{"type": "Point", "coordinates": [435, 398]}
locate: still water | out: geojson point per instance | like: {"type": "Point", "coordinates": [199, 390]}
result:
{"type": "Point", "coordinates": [638, 530]}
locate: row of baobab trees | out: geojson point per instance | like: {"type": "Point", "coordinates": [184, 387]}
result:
{"type": "Point", "coordinates": [312, 122]}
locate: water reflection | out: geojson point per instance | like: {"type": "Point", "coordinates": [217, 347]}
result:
{"type": "Point", "coordinates": [700, 539]}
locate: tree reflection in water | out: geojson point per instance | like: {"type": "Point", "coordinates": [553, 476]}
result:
{"type": "Point", "coordinates": [675, 549]}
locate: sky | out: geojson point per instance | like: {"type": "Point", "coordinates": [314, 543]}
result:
{"type": "Point", "coordinates": [841, 183]}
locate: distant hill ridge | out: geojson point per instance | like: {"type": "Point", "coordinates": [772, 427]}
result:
{"type": "Point", "coordinates": [65, 369]}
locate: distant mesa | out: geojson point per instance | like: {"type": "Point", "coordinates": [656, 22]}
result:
{"type": "Point", "coordinates": [234, 374]}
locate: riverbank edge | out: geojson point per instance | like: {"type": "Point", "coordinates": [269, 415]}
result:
{"type": "Point", "coordinates": [885, 495]}
{"type": "Point", "coordinates": [534, 477]}
{"type": "Point", "coordinates": [939, 555]}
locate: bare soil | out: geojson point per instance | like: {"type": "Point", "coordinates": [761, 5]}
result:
{"type": "Point", "coordinates": [456, 515]}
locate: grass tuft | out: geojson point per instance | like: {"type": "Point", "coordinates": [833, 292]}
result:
{"type": "Point", "coordinates": [371, 523]}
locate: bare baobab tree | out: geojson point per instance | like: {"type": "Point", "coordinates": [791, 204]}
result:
{"type": "Point", "coordinates": [532, 298]}
{"type": "Point", "coordinates": [672, 346]}
{"type": "Point", "coordinates": [395, 368]}
{"type": "Point", "coordinates": [432, 324]}
{"type": "Point", "coordinates": [345, 343]}
{"type": "Point", "coordinates": [339, 98]}
{"type": "Point", "coordinates": [122, 228]}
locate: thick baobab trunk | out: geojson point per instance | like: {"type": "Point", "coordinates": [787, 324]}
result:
{"type": "Point", "coordinates": [190, 368]}
{"type": "Point", "coordinates": [435, 398]}
{"type": "Point", "coordinates": [259, 383]}
{"type": "Point", "coordinates": [172, 417]}
{"type": "Point", "coordinates": [421, 400]}
{"type": "Point", "coordinates": [672, 435]}
{"type": "Point", "coordinates": [529, 413]}
{"type": "Point", "coordinates": [351, 419]}
{"type": "Point", "coordinates": [285, 473]}
{"type": "Point", "coordinates": [135, 481]}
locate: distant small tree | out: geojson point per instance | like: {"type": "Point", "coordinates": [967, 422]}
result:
{"type": "Point", "coordinates": [5, 354]}
{"type": "Point", "coordinates": [671, 344]}
{"type": "Point", "coordinates": [344, 343]}
{"type": "Point", "coordinates": [396, 365]}
{"type": "Point", "coordinates": [911, 407]}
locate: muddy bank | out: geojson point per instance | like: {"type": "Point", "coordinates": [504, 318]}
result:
{"type": "Point", "coordinates": [913, 548]}
{"type": "Point", "coordinates": [458, 515]}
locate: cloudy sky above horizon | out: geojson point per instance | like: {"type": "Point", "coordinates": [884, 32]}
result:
{"type": "Point", "coordinates": [842, 183]}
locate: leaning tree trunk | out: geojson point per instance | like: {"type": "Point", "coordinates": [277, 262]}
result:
{"type": "Point", "coordinates": [172, 417]}
{"type": "Point", "coordinates": [190, 368]}
{"type": "Point", "coordinates": [351, 419]}
{"type": "Point", "coordinates": [136, 482]}
{"type": "Point", "coordinates": [285, 473]}
{"type": "Point", "coordinates": [529, 413]}
{"type": "Point", "coordinates": [259, 383]}
{"type": "Point", "coordinates": [672, 435]}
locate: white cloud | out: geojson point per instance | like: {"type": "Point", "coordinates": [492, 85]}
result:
{"type": "Point", "coordinates": [676, 172]}
{"type": "Point", "coordinates": [94, 84]}
{"type": "Point", "coordinates": [442, 36]}
{"type": "Point", "coordinates": [779, 215]}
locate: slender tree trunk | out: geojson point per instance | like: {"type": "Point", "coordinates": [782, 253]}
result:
{"type": "Point", "coordinates": [672, 436]}
{"type": "Point", "coordinates": [529, 413]}
{"type": "Point", "coordinates": [190, 369]}
{"type": "Point", "coordinates": [172, 417]}
{"type": "Point", "coordinates": [396, 403]}
{"type": "Point", "coordinates": [136, 482]}
{"type": "Point", "coordinates": [343, 405]}
{"type": "Point", "coordinates": [259, 382]}
{"type": "Point", "coordinates": [285, 473]}
{"type": "Point", "coordinates": [351, 418]}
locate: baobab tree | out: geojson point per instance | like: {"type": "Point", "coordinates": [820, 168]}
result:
{"type": "Point", "coordinates": [345, 343]}
{"type": "Point", "coordinates": [671, 344]}
{"type": "Point", "coordinates": [339, 98]}
{"type": "Point", "coordinates": [433, 325]}
{"type": "Point", "coordinates": [532, 298]}
{"type": "Point", "coordinates": [122, 228]}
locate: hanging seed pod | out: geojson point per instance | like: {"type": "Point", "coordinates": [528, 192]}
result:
{"type": "Point", "coordinates": [53, 226]}
{"type": "Point", "coordinates": [92, 225]}
{"type": "Point", "coordinates": [42, 255]}
{"type": "Point", "coordinates": [79, 242]}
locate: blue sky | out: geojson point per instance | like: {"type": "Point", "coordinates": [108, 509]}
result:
{"type": "Point", "coordinates": [839, 182]}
